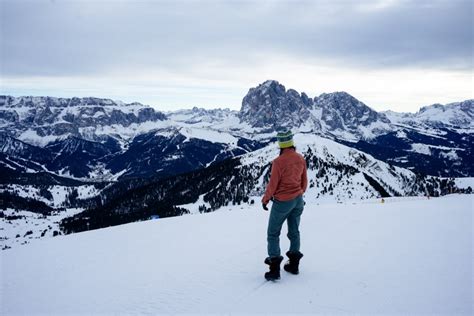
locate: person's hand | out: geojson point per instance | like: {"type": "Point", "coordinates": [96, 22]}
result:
{"type": "Point", "coordinates": [264, 205]}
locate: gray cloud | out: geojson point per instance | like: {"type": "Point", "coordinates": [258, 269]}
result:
{"type": "Point", "coordinates": [54, 38]}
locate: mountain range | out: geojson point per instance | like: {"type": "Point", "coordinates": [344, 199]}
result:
{"type": "Point", "coordinates": [116, 162]}
{"type": "Point", "coordinates": [93, 138]}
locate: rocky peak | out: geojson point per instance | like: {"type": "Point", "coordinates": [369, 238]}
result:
{"type": "Point", "coordinates": [466, 106]}
{"type": "Point", "coordinates": [430, 107]}
{"type": "Point", "coordinates": [342, 111]}
{"type": "Point", "coordinates": [46, 116]}
{"type": "Point", "coordinates": [53, 102]}
{"type": "Point", "coordinates": [273, 85]}
{"type": "Point", "coordinates": [270, 106]}
{"type": "Point", "coordinates": [457, 115]}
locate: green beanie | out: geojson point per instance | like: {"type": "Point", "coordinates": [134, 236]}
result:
{"type": "Point", "coordinates": [285, 139]}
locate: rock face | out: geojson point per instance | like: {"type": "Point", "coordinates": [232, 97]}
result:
{"type": "Point", "coordinates": [270, 106]}
{"type": "Point", "coordinates": [340, 110]}
{"type": "Point", "coordinates": [455, 116]}
{"type": "Point", "coordinates": [15, 149]}
{"type": "Point", "coordinates": [47, 116]}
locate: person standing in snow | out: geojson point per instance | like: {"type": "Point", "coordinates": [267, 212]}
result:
{"type": "Point", "coordinates": [288, 182]}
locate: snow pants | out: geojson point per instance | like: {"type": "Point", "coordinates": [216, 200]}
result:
{"type": "Point", "coordinates": [291, 212]}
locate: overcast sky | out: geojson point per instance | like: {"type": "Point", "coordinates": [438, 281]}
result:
{"type": "Point", "coordinates": [390, 54]}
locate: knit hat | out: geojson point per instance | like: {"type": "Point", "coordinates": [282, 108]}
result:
{"type": "Point", "coordinates": [285, 139]}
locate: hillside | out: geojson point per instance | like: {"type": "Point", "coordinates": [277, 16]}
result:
{"type": "Point", "coordinates": [335, 173]}
{"type": "Point", "coordinates": [405, 256]}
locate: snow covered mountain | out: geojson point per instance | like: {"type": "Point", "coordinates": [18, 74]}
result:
{"type": "Point", "coordinates": [335, 173]}
{"type": "Point", "coordinates": [270, 106]}
{"type": "Point", "coordinates": [100, 139]}
{"type": "Point", "coordinates": [438, 140]}
{"type": "Point", "coordinates": [346, 117]}
{"type": "Point", "coordinates": [457, 116]}
{"type": "Point", "coordinates": [135, 162]}
{"type": "Point", "coordinates": [40, 120]}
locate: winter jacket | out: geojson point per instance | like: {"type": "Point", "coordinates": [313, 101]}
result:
{"type": "Point", "coordinates": [288, 177]}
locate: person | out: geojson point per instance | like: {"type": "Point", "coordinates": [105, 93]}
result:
{"type": "Point", "coordinates": [288, 182]}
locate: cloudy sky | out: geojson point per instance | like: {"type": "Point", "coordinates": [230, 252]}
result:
{"type": "Point", "coordinates": [390, 54]}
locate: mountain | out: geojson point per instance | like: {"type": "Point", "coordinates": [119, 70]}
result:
{"type": "Point", "coordinates": [100, 139]}
{"type": "Point", "coordinates": [343, 115]}
{"type": "Point", "coordinates": [40, 120]}
{"type": "Point", "coordinates": [438, 140]}
{"type": "Point", "coordinates": [22, 156]}
{"type": "Point", "coordinates": [78, 157]}
{"type": "Point", "coordinates": [457, 116]}
{"type": "Point", "coordinates": [171, 151]}
{"type": "Point", "coordinates": [270, 106]}
{"type": "Point", "coordinates": [335, 173]}
{"type": "Point", "coordinates": [202, 117]}
{"type": "Point", "coordinates": [89, 163]}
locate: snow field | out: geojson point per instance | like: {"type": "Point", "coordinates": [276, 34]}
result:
{"type": "Point", "coordinates": [403, 257]}
{"type": "Point", "coordinates": [30, 227]}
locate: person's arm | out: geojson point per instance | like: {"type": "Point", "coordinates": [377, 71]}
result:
{"type": "Point", "coordinates": [273, 184]}
{"type": "Point", "coordinates": [304, 178]}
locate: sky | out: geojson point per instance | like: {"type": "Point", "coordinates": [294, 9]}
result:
{"type": "Point", "coordinates": [390, 54]}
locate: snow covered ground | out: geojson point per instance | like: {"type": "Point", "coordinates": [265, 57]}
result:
{"type": "Point", "coordinates": [19, 227]}
{"type": "Point", "coordinates": [404, 256]}
{"type": "Point", "coordinates": [23, 227]}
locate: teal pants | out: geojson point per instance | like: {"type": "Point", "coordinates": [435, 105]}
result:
{"type": "Point", "coordinates": [291, 212]}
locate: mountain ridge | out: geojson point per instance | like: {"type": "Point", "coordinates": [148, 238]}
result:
{"type": "Point", "coordinates": [266, 108]}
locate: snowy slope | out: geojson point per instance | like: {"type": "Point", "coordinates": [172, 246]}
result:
{"type": "Point", "coordinates": [19, 227]}
{"type": "Point", "coordinates": [337, 185]}
{"type": "Point", "coordinates": [406, 256]}
{"type": "Point", "coordinates": [458, 116]}
{"type": "Point", "coordinates": [336, 173]}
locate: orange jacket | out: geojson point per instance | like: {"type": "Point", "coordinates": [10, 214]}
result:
{"type": "Point", "coordinates": [288, 177]}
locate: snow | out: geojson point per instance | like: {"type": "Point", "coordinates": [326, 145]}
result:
{"type": "Point", "coordinates": [464, 183]}
{"type": "Point", "coordinates": [31, 137]}
{"type": "Point", "coordinates": [426, 150]}
{"type": "Point", "coordinates": [451, 155]}
{"type": "Point", "coordinates": [34, 222]}
{"type": "Point", "coordinates": [421, 148]}
{"type": "Point", "coordinates": [58, 192]}
{"type": "Point", "coordinates": [126, 132]}
{"type": "Point", "coordinates": [404, 256]}
{"type": "Point", "coordinates": [402, 134]}
{"type": "Point", "coordinates": [193, 208]}
{"type": "Point", "coordinates": [13, 232]}
{"type": "Point", "coordinates": [448, 114]}
{"type": "Point", "coordinates": [426, 120]}
{"type": "Point", "coordinates": [374, 129]}
{"type": "Point", "coordinates": [209, 135]}
{"type": "Point", "coordinates": [333, 152]}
